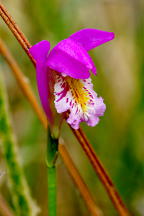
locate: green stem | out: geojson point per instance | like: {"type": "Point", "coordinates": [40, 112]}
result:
{"type": "Point", "coordinates": [52, 191]}
{"type": "Point", "coordinates": [52, 152]}
{"type": "Point", "coordinates": [22, 200]}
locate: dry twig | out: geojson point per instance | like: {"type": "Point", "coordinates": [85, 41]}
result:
{"type": "Point", "coordinates": [4, 208]}
{"type": "Point", "coordinates": [79, 182]}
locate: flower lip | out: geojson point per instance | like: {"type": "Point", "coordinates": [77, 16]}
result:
{"type": "Point", "coordinates": [79, 98]}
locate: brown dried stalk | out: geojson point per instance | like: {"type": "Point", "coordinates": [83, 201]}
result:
{"type": "Point", "coordinates": [24, 83]}
{"type": "Point", "coordinates": [79, 182]}
{"type": "Point", "coordinates": [96, 163]}
{"type": "Point", "coordinates": [27, 91]}
{"type": "Point", "coordinates": [16, 31]}
{"type": "Point", "coordinates": [4, 208]}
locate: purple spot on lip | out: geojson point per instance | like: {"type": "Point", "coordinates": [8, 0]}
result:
{"type": "Point", "coordinates": [62, 93]}
{"type": "Point", "coordinates": [63, 85]}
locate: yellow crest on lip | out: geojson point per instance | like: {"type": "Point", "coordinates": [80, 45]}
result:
{"type": "Point", "coordinates": [79, 92]}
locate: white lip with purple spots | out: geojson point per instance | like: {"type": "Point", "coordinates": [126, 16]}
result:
{"type": "Point", "coordinates": [79, 98]}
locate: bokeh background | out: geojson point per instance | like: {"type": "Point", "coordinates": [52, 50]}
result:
{"type": "Point", "coordinates": [119, 138]}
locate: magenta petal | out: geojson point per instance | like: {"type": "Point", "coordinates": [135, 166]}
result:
{"type": "Point", "coordinates": [43, 88]}
{"type": "Point", "coordinates": [70, 58]}
{"type": "Point", "coordinates": [91, 38]}
{"type": "Point", "coordinates": [39, 53]}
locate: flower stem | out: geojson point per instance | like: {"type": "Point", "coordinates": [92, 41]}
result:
{"type": "Point", "coordinates": [52, 191]}
{"type": "Point", "coordinates": [52, 153]}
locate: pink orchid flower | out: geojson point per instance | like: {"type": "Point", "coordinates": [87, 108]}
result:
{"type": "Point", "coordinates": [65, 73]}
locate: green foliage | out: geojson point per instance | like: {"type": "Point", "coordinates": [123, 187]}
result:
{"type": "Point", "coordinates": [23, 203]}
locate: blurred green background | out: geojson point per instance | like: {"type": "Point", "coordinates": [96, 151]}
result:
{"type": "Point", "coordinates": [119, 138]}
